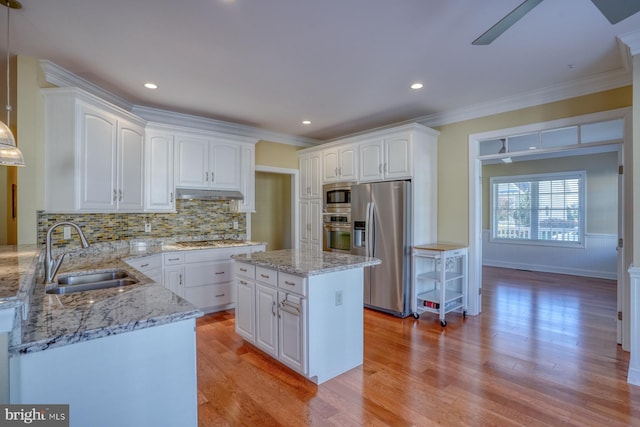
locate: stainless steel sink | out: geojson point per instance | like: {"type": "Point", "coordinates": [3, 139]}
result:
{"type": "Point", "coordinates": [91, 281]}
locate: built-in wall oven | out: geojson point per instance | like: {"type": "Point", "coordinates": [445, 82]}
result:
{"type": "Point", "coordinates": [336, 217]}
{"type": "Point", "coordinates": [337, 232]}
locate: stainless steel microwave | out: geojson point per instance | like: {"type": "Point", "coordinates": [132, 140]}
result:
{"type": "Point", "coordinates": [336, 195]}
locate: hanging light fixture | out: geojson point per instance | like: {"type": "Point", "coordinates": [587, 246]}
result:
{"type": "Point", "coordinates": [10, 154]}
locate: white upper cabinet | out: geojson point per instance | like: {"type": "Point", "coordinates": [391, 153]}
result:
{"type": "Point", "coordinates": [339, 164]}
{"type": "Point", "coordinates": [387, 157]}
{"type": "Point", "coordinates": [94, 154]}
{"type": "Point", "coordinates": [130, 166]}
{"type": "Point", "coordinates": [247, 178]}
{"type": "Point", "coordinates": [206, 163]}
{"type": "Point", "coordinates": [160, 192]}
{"type": "Point", "coordinates": [310, 175]}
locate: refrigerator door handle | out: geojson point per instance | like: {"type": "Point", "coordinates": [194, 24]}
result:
{"type": "Point", "coordinates": [371, 239]}
{"type": "Point", "coordinates": [366, 231]}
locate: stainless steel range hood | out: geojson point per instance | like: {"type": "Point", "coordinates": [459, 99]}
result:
{"type": "Point", "coordinates": [200, 194]}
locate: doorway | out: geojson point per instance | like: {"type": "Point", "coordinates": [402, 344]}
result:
{"type": "Point", "coordinates": [476, 158]}
{"type": "Point", "coordinates": [274, 220]}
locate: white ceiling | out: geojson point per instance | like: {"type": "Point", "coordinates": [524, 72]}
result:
{"type": "Point", "coordinates": [346, 65]}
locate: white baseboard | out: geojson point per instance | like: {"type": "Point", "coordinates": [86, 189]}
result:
{"type": "Point", "coordinates": [597, 258]}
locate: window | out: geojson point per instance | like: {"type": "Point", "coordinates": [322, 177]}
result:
{"type": "Point", "coordinates": [541, 208]}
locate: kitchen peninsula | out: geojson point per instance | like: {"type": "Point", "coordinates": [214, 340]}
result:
{"type": "Point", "coordinates": [303, 308]}
{"type": "Point", "coordinates": [118, 356]}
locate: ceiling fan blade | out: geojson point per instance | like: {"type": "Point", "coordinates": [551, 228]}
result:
{"type": "Point", "coordinates": [503, 25]}
{"type": "Point", "coordinates": [617, 10]}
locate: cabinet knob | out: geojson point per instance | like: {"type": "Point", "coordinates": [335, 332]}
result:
{"type": "Point", "coordinates": [119, 195]}
{"type": "Point", "coordinates": [171, 197]}
{"type": "Point", "coordinates": [181, 280]}
{"type": "Point", "coordinates": [380, 168]}
{"type": "Point", "coordinates": [144, 265]}
{"type": "Point", "coordinates": [219, 272]}
{"type": "Point", "coordinates": [206, 176]}
{"type": "Point", "coordinates": [115, 195]}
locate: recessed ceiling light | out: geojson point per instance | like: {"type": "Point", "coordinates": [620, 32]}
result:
{"type": "Point", "coordinates": [306, 122]}
{"type": "Point", "coordinates": [150, 85]}
{"type": "Point", "coordinates": [416, 86]}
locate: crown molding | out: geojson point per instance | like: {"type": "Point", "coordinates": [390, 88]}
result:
{"type": "Point", "coordinates": [632, 41]}
{"type": "Point", "coordinates": [628, 43]}
{"type": "Point", "coordinates": [187, 120]}
{"type": "Point", "coordinates": [61, 77]}
{"type": "Point", "coordinates": [586, 86]}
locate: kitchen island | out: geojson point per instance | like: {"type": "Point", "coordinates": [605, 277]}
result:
{"type": "Point", "coordinates": [118, 356]}
{"type": "Point", "coordinates": [305, 309]}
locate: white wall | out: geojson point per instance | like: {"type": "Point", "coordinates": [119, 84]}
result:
{"type": "Point", "coordinates": [598, 257]}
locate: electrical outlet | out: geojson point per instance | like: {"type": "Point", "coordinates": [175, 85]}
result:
{"type": "Point", "coordinates": [66, 231]}
{"type": "Point", "coordinates": [147, 227]}
{"type": "Point", "coordinates": [235, 225]}
{"type": "Point", "coordinates": [338, 297]}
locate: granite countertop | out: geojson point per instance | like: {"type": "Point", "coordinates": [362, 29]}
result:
{"type": "Point", "coordinates": [54, 320]}
{"type": "Point", "coordinates": [304, 263]}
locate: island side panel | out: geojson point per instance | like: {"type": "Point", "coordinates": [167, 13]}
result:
{"type": "Point", "coordinates": [143, 378]}
{"type": "Point", "coordinates": [336, 331]}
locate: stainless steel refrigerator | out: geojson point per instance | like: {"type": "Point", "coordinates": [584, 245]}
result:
{"type": "Point", "coordinates": [381, 227]}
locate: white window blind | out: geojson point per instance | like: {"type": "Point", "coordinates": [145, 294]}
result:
{"type": "Point", "coordinates": [541, 208]}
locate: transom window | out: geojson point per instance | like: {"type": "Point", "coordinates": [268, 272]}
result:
{"type": "Point", "coordinates": [541, 208]}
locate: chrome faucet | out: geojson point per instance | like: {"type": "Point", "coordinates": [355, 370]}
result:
{"type": "Point", "coordinates": [51, 265]}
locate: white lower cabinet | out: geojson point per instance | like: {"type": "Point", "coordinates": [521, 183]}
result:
{"type": "Point", "coordinates": [150, 265]}
{"type": "Point", "coordinates": [313, 324]}
{"type": "Point", "coordinates": [266, 308]}
{"type": "Point", "coordinates": [245, 301]}
{"type": "Point", "coordinates": [204, 277]}
{"type": "Point", "coordinates": [278, 312]}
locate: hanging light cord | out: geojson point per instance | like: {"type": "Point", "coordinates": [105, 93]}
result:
{"type": "Point", "coordinates": [8, 85]}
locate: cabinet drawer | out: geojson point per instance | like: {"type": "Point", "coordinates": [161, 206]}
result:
{"type": "Point", "coordinates": [268, 276]}
{"type": "Point", "coordinates": [245, 270]}
{"type": "Point", "coordinates": [146, 263]}
{"type": "Point", "coordinates": [207, 273]}
{"type": "Point", "coordinates": [209, 295]}
{"type": "Point", "coordinates": [204, 255]}
{"type": "Point", "coordinates": [173, 258]}
{"type": "Point", "coordinates": [289, 282]}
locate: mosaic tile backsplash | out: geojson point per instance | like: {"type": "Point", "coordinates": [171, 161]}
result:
{"type": "Point", "coordinates": [204, 219]}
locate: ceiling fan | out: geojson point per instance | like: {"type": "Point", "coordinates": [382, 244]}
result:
{"type": "Point", "coordinates": [614, 10]}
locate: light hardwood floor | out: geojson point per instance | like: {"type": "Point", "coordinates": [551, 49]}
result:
{"type": "Point", "coordinates": [542, 353]}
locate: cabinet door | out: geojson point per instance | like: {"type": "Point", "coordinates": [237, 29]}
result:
{"type": "Point", "coordinates": [159, 173]}
{"type": "Point", "coordinates": [224, 164]}
{"type": "Point", "coordinates": [293, 336]}
{"type": "Point", "coordinates": [192, 162]}
{"type": "Point", "coordinates": [315, 220]}
{"type": "Point", "coordinates": [397, 157]}
{"type": "Point", "coordinates": [173, 279]}
{"type": "Point", "coordinates": [247, 179]}
{"type": "Point", "coordinates": [267, 319]}
{"type": "Point", "coordinates": [371, 161]}
{"type": "Point", "coordinates": [315, 175]}
{"type": "Point", "coordinates": [130, 167]}
{"type": "Point", "coordinates": [305, 180]}
{"type": "Point", "coordinates": [98, 140]}
{"type": "Point", "coordinates": [305, 221]}
{"type": "Point", "coordinates": [330, 166]}
{"type": "Point", "coordinates": [347, 164]}
{"type": "Point", "coordinates": [245, 308]}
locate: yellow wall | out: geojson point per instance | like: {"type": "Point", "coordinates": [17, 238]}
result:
{"type": "Point", "coordinates": [276, 155]}
{"type": "Point", "coordinates": [30, 115]}
{"type": "Point", "coordinates": [453, 151]}
{"type": "Point", "coordinates": [601, 186]}
{"type": "Point", "coordinates": [271, 223]}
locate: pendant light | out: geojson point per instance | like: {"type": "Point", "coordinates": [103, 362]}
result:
{"type": "Point", "coordinates": [10, 154]}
